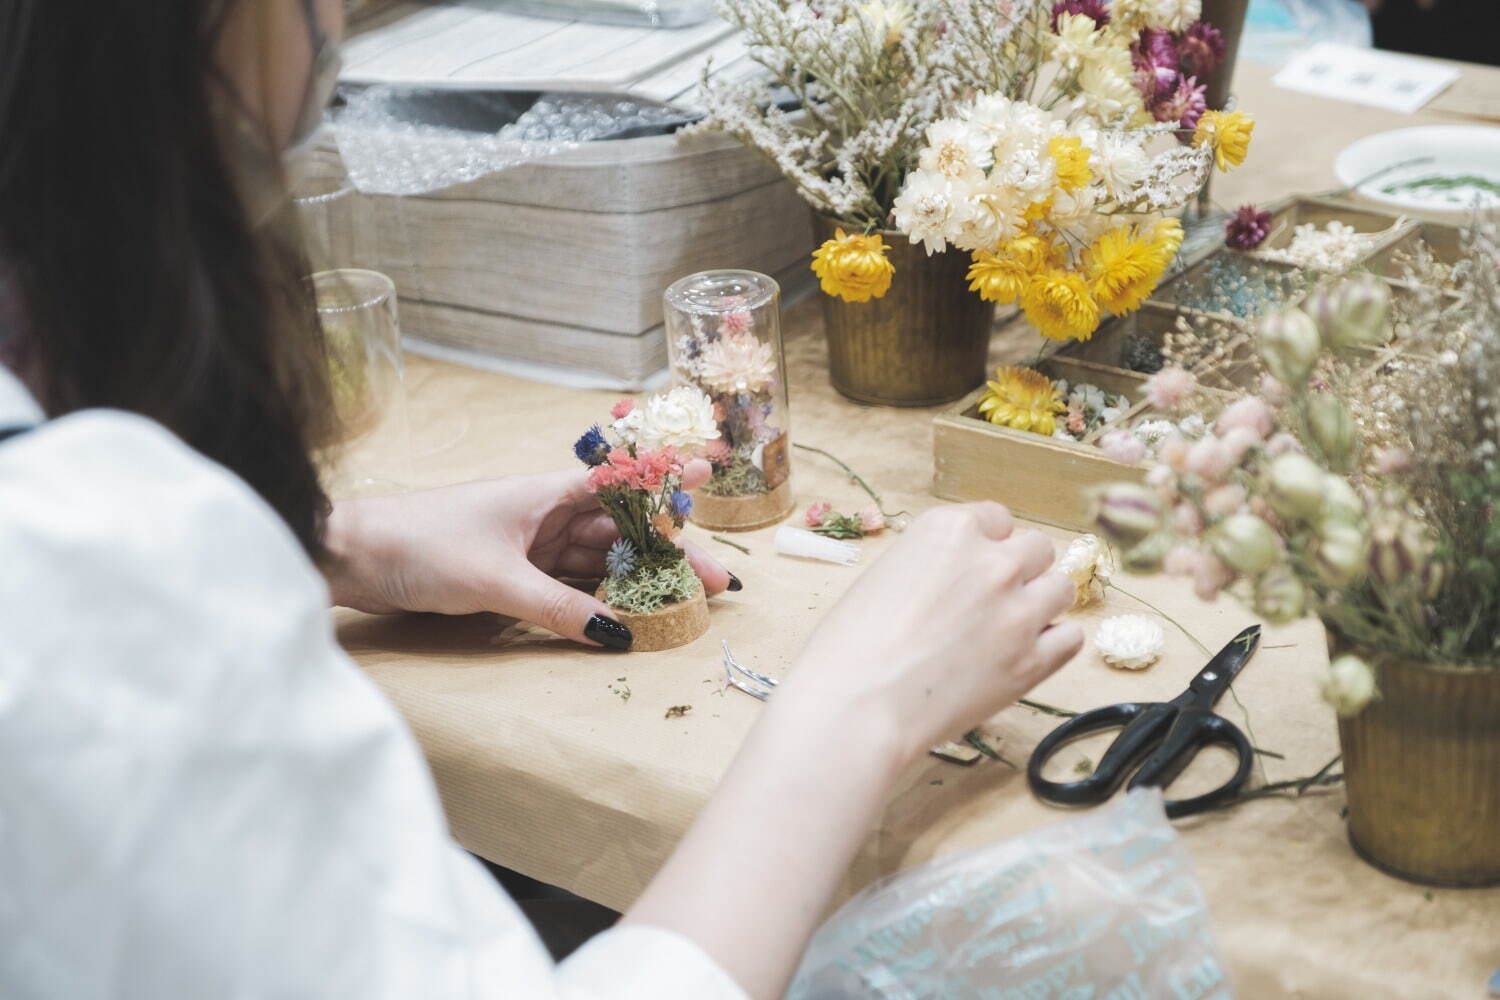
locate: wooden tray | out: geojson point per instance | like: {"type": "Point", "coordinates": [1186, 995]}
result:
{"type": "Point", "coordinates": [1044, 479]}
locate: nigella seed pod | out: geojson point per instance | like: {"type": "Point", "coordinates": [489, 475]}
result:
{"type": "Point", "coordinates": [1245, 543]}
{"type": "Point", "coordinates": [1125, 513]}
{"type": "Point", "coordinates": [1146, 555]}
{"type": "Point", "coordinates": [1341, 502]}
{"type": "Point", "coordinates": [1289, 345]}
{"type": "Point", "coordinates": [1295, 487]}
{"type": "Point", "coordinates": [1340, 558]}
{"type": "Point", "coordinates": [1280, 597]}
{"type": "Point", "coordinates": [1354, 313]}
{"type": "Point", "coordinates": [1332, 429]}
{"type": "Point", "coordinates": [1349, 685]}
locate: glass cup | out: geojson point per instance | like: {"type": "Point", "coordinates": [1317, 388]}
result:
{"type": "Point", "coordinates": [337, 222]}
{"type": "Point", "coordinates": [370, 452]}
{"type": "Point", "coordinates": [724, 337]}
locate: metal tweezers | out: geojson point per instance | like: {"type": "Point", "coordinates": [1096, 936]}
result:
{"type": "Point", "coordinates": [754, 684]}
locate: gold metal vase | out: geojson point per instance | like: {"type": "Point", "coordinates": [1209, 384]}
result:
{"type": "Point", "coordinates": [925, 342]}
{"type": "Point", "coordinates": [1422, 766]}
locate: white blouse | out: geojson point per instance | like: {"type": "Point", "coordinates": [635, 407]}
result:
{"type": "Point", "coordinates": [201, 797]}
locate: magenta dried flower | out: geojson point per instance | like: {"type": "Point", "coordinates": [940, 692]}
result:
{"type": "Point", "coordinates": [1247, 228]}
{"type": "Point", "coordinates": [1200, 49]}
{"type": "Point", "coordinates": [1154, 56]}
{"type": "Point", "coordinates": [1094, 9]}
{"type": "Point", "coordinates": [1184, 103]}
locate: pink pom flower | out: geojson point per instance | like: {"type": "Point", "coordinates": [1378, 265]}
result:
{"type": "Point", "coordinates": [1169, 387]}
{"type": "Point", "coordinates": [1210, 577]}
{"type": "Point", "coordinates": [1272, 391]}
{"type": "Point", "coordinates": [1283, 444]}
{"type": "Point", "coordinates": [1182, 560]}
{"type": "Point", "coordinates": [871, 520]}
{"type": "Point", "coordinates": [1391, 460]}
{"type": "Point", "coordinates": [622, 409]}
{"type": "Point", "coordinates": [1247, 228]}
{"type": "Point", "coordinates": [736, 323]}
{"type": "Point", "coordinates": [1210, 460]}
{"type": "Point", "coordinates": [1250, 413]}
{"type": "Point", "coordinates": [816, 513]}
{"type": "Point", "coordinates": [1173, 453]}
{"type": "Point", "coordinates": [1225, 500]}
{"type": "Point", "coordinates": [1123, 447]}
{"type": "Point", "coordinates": [716, 451]}
{"type": "Point", "coordinates": [1186, 521]}
{"type": "Point", "coordinates": [1238, 441]}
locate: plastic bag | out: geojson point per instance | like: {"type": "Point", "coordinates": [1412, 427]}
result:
{"type": "Point", "coordinates": [1275, 30]}
{"type": "Point", "coordinates": [1102, 907]}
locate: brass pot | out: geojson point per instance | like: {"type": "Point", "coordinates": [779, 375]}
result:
{"type": "Point", "coordinates": [925, 341]}
{"type": "Point", "coordinates": [1422, 766]}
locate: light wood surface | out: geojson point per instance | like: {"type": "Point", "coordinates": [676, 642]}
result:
{"type": "Point", "coordinates": [546, 766]}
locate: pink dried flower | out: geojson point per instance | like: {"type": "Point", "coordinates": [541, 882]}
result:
{"type": "Point", "coordinates": [1391, 460]}
{"type": "Point", "coordinates": [1225, 500]}
{"type": "Point", "coordinates": [871, 520]}
{"type": "Point", "coordinates": [717, 451]}
{"type": "Point", "coordinates": [1209, 577]}
{"type": "Point", "coordinates": [622, 409]}
{"type": "Point", "coordinates": [1200, 49]}
{"type": "Point", "coordinates": [736, 323]}
{"type": "Point", "coordinates": [1250, 413]}
{"type": "Point", "coordinates": [1183, 102]}
{"type": "Point", "coordinates": [1123, 447]}
{"type": "Point", "coordinates": [1094, 9]}
{"type": "Point", "coordinates": [653, 467]}
{"type": "Point", "coordinates": [1164, 481]}
{"type": "Point", "coordinates": [1210, 460]}
{"type": "Point", "coordinates": [1186, 521]}
{"type": "Point", "coordinates": [1167, 389]}
{"type": "Point", "coordinates": [1247, 228]}
{"type": "Point", "coordinates": [1077, 424]}
{"type": "Point", "coordinates": [1240, 440]}
{"type": "Point", "coordinates": [816, 514]}
{"type": "Point", "coordinates": [1173, 453]}
{"type": "Point", "coordinates": [719, 412]}
{"type": "Point", "coordinates": [1283, 444]}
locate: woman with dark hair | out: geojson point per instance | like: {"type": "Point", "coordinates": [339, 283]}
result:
{"type": "Point", "coordinates": [200, 796]}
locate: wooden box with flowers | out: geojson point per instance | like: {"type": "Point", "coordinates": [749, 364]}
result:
{"type": "Point", "coordinates": [1097, 410]}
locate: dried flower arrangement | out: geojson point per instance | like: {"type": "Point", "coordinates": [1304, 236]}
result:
{"type": "Point", "coordinates": [637, 478]}
{"type": "Point", "coordinates": [723, 352]}
{"type": "Point", "coordinates": [1035, 136]}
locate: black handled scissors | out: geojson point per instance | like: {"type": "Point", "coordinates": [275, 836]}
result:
{"type": "Point", "coordinates": [1157, 739]}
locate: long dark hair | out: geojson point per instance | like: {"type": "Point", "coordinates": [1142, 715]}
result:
{"type": "Point", "coordinates": [142, 282]}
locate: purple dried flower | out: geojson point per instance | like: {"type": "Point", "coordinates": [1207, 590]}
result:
{"type": "Point", "coordinates": [1183, 103]}
{"type": "Point", "coordinates": [1088, 8]}
{"type": "Point", "coordinates": [1200, 49]}
{"type": "Point", "coordinates": [1247, 228]}
{"type": "Point", "coordinates": [1154, 55]}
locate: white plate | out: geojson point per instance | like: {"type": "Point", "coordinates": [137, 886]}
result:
{"type": "Point", "coordinates": [1455, 150]}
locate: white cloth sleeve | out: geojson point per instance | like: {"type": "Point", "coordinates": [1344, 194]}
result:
{"type": "Point", "coordinates": [200, 795]}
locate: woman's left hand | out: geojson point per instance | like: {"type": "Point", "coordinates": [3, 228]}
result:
{"type": "Point", "coordinates": [495, 545]}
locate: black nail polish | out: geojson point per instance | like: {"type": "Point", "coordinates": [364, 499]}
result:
{"type": "Point", "coordinates": [608, 632]}
{"type": "Point", "coordinates": [734, 583]}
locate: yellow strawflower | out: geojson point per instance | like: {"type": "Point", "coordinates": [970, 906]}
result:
{"type": "Point", "coordinates": [1022, 398]}
{"type": "Point", "coordinates": [1123, 268]}
{"type": "Point", "coordinates": [997, 278]}
{"type": "Point", "coordinates": [1072, 159]}
{"type": "Point", "coordinates": [853, 267]}
{"type": "Point", "coordinates": [1227, 133]}
{"type": "Point", "coordinates": [1166, 237]}
{"type": "Point", "coordinates": [1029, 249]}
{"type": "Point", "coordinates": [1059, 304]}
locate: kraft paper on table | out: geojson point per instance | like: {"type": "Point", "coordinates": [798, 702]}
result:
{"type": "Point", "coordinates": [547, 767]}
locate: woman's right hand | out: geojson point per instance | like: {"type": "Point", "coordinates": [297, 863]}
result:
{"type": "Point", "coordinates": [954, 623]}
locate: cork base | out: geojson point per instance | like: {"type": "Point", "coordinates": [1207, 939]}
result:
{"type": "Point", "coordinates": [667, 628]}
{"type": "Point", "coordinates": [742, 513]}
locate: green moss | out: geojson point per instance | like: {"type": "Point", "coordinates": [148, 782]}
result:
{"type": "Point", "coordinates": [738, 479]}
{"type": "Point", "coordinates": [653, 585]}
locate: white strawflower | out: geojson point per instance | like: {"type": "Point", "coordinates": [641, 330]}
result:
{"type": "Point", "coordinates": [1086, 562]}
{"type": "Point", "coordinates": [1130, 642]}
{"type": "Point", "coordinates": [1072, 209]}
{"type": "Point", "coordinates": [924, 209]}
{"type": "Point", "coordinates": [682, 418]}
{"type": "Point", "coordinates": [956, 149]}
{"type": "Point", "coordinates": [1349, 685]}
{"type": "Point", "coordinates": [1170, 15]}
{"type": "Point", "coordinates": [1013, 126]}
{"type": "Point", "coordinates": [1119, 162]}
{"type": "Point", "coordinates": [737, 364]}
{"type": "Point", "coordinates": [1030, 174]}
{"type": "Point", "coordinates": [1107, 91]}
{"type": "Point", "coordinates": [1075, 42]}
{"type": "Point", "coordinates": [992, 215]}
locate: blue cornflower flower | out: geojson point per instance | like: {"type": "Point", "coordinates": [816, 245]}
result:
{"type": "Point", "coordinates": [682, 504]}
{"type": "Point", "coordinates": [592, 449]}
{"type": "Point", "coordinates": [620, 559]}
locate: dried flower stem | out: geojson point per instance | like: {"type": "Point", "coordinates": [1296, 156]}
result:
{"type": "Point", "coordinates": [733, 545]}
{"type": "Point", "coordinates": [854, 477]}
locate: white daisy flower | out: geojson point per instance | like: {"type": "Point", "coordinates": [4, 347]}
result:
{"type": "Point", "coordinates": [1120, 164]}
{"type": "Point", "coordinates": [925, 209]}
{"type": "Point", "coordinates": [956, 149]}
